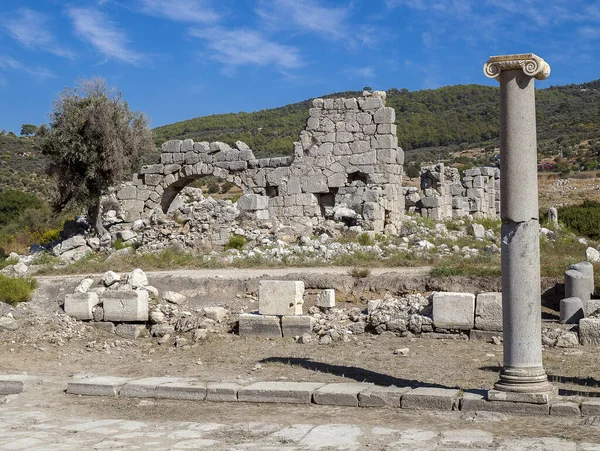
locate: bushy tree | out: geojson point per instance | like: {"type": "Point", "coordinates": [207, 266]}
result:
{"type": "Point", "coordinates": [94, 142]}
{"type": "Point", "coordinates": [28, 129]}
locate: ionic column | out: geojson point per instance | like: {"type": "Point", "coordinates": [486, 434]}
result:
{"type": "Point", "coordinates": [522, 377]}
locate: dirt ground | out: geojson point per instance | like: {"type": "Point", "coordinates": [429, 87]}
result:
{"type": "Point", "coordinates": [53, 346]}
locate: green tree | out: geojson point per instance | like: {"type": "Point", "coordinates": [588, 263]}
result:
{"type": "Point", "coordinates": [28, 129]}
{"type": "Point", "coordinates": [94, 142]}
{"type": "Point", "coordinates": [412, 172]}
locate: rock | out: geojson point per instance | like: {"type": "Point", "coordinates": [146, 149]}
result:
{"type": "Point", "coordinates": [478, 231]}
{"type": "Point", "coordinates": [325, 340]}
{"type": "Point", "coordinates": [20, 268]}
{"type": "Point", "coordinates": [402, 351]}
{"type": "Point", "coordinates": [157, 317]}
{"type": "Point", "coordinates": [215, 313]}
{"type": "Point", "coordinates": [152, 290]}
{"type": "Point", "coordinates": [84, 285]}
{"type": "Point", "coordinates": [280, 297]}
{"type": "Point", "coordinates": [592, 255]}
{"type": "Point", "coordinates": [305, 339]}
{"type": "Point", "coordinates": [326, 298]}
{"type": "Point", "coordinates": [567, 340]}
{"type": "Point", "coordinates": [160, 330]}
{"type": "Point", "coordinates": [453, 310]}
{"type": "Point", "coordinates": [76, 254]}
{"type": "Point", "coordinates": [199, 335]}
{"type": "Point", "coordinates": [109, 278]}
{"type": "Point", "coordinates": [137, 279]}
{"type": "Point", "coordinates": [173, 297]}
{"type": "Point", "coordinates": [8, 323]}
{"type": "Point", "coordinates": [180, 342]}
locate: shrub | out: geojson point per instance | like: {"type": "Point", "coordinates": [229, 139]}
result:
{"type": "Point", "coordinates": [226, 186]}
{"type": "Point", "coordinates": [13, 203]}
{"type": "Point", "coordinates": [236, 242]}
{"type": "Point", "coordinates": [213, 188]}
{"type": "Point", "coordinates": [16, 289]}
{"type": "Point", "coordinates": [364, 239]}
{"type": "Point", "coordinates": [582, 219]}
{"type": "Point", "coordinates": [359, 273]}
{"type": "Point", "coordinates": [120, 244]}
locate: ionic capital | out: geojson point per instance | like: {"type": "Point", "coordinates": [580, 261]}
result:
{"type": "Point", "coordinates": [530, 64]}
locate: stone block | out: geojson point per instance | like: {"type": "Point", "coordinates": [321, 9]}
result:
{"type": "Point", "coordinates": [587, 269]}
{"type": "Point", "coordinates": [386, 115]}
{"type": "Point", "coordinates": [571, 310]}
{"type": "Point", "coordinates": [429, 398]}
{"type": "Point", "coordinates": [577, 285]}
{"type": "Point", "coordinates": [222, 391]}
{"type": "Point", "coordinates": [80, 305]}
{"type": "Point", "coordinates": [294, 326]}
{"type": "Point", "coordinates": [590, 408]}
{"type": "Point", "coordinates": [484, 335]}
{"type": "Point", "coordinates": [340, 394]}
{"type": "Point", "coordinates": [472, 402]}
{"type": "Point", "coordinates": [187, 389]}
{"type": "Point", "coordinates": [130, 305]}
{"type": "Point", "coordinates": [488, 311]}
{"type": "Point", "coordinates": [315, 184]}
{"type": "Point", "coordinates": [11, 384]}
{"type": "Point", "coordinates": [104, 325]}
{"type": "Point", "coordinates": [280, 297]}
{"type": "Point", "coordinates": [286, 392]}
{"type": "Point", "coordinates": [431, 202]}
{"type": "Point", "coordinates": [251, 325]}
{"type": "Point", "coordinates": [97, 385]}
{"type": "Point", "coordinates": [377, 396]}
{"type": "Point", "coordinates": [144, 388]}
{"type": "Point", "coordinates": [453, 310]}
{"type": "Point", "coordinates": [530, 398]}
{"type": "Point", "coordinates": [127, 192]}
{"type": "Point", "coordinates": [565, 409]}
{"type": "Point", "coordinates": [591, 306]}
{"type": "Point", "coordinates": [326, 298]}
{"type": "Point", "coordinates": [130, 331]}
{"type": "Point", "coordinates": [589, 331]}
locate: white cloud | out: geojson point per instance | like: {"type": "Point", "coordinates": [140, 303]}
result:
{"type": "Point", "coordinates": [6, 62]}
{"type": "Point", "coordinates": [242, 47]}
{"type": "Point", "coordinates": [38, 72]}
{"type": "Point", "coordinates": [195, 11]}
{"type": "Point", "coordinates": [30, 29]}
{"type": "Point", "coordinates": [589, 32]}
{"type": "Point", "coordinates": [366, 72]}
{"type": "Point", "coordinates": [94, 26]}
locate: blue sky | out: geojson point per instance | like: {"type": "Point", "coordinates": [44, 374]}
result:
{"type": "Point", "coordinates": [178, 59]}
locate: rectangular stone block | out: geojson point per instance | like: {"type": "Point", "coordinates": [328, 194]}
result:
{"type": "Point", "coordinates": [377, 396]}
{"type": "Point", "coordinates": [565, 409]}
{"type": "Point", "coordinates": [144, 388]}
{"type": "Point", "coordinates": [429, 398]}
{"type": "Point", "coordinates": [251, 325]}
{"type": "Point", "coordinates": [531, 398]}
{"type": "Point", "coordinates": [252, 202]}
{"type": "Point", "coordinates": [488, 311]}
{"type": "Point", "coordinates": [590, 408]}
{"type": "Point", "coordinates": [293, 326]}
{"type": "Point", "coordinates": [326, 298]}
{"type": "Point", "coordinates": [191, 390]}
{"type": "Point", "coordinates": [453, 310]}
{"type": "Point", "coordinates": [80, 305]}
{"type": "Point", "coordinates": [222, 391]}
{"type": "Point", "coordinates": [103, 325]}
{"type": "Point", "coordinates": [475, 402]}
{"type": "Point", "coordinates": [97, 385]}
{"type": "Point", "coordinates": [128, 305]}
{"type": "Point", "coordinates": [484, 335]}
{"type": "Point", "coordinates": [340, 394]}
{"type": "Point", "coordinates": [11, 384]}
{"type": "Point", "coordinates": [431, 202]}
{"type": "Point", "coordinates": [280, 297]}
{"type": "Point", "coordinates": [591, 306]}
{"type": "Point", "coordinates": [589, 331]}
{"type": "Point", "coordinates": [288, 392]}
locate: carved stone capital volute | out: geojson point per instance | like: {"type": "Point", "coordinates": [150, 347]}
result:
{"type": "Point", "coordinates": [529, 63]}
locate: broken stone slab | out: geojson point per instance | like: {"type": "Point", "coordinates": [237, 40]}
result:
{"type": "Point", "coordinates": [103, 325]}
{"type": "Point", "coordinates": [294, 326]}
{"type": "Point", "coordinates": [571, 310]}
{"type": "Point", "coordinates": [130, 331]}
{"type": "Point", "coordinates": [215, 313]}
{"type": "Point", "coordinates": [340, 394]}
{"type": "Point", "coordinates": [488, 311]}
{"type": "Point", "coordinates": [453, 310]}
{"type": "Point", "coordinates": [80, 305]}
{"type": "Point", "coordinates": [589, 331]}
{"type": "Point", "coordinates": [488, 336]}
{"type": "Point", "coordinates": [252, 325]}
{"type": "Point", "coordinates": [137, 279]}
{"type": "Point", "coordinates": [110, 278]}
{"type": "Point", "coordinates": [285, 392]}
{"type": "Point", "coordinates": [173, 297]}
{"type": "Point", "coordinates": [591, 307]}
{"type": "Point", "coordinates": [326, 298]}
{"type": "Point", "coordinates": [471, 402]}
{"type": "Point", "coordinates": [84, 285]}
{"type": "Point", "coordinates": [590, 408]}
{"type": "Point", "coordinates": [431, 398]}
{"type": "Point", "coordinates": [530, 398]}
{"type": "Point", "coordinates": [11, 384]}
{"type": "Point", "coordinates": [144, 388]}
{"type": "Point", "coordinates": [222, 391]}
{"type": "Point", "coordinates": [97, 385]}
{"type": "Point", "coordinates": [565, 409]}
{"type": "Point", "coordinates": [280, 297]}
{"type": "Point", "coordinates": [8, 323]}
{"type": "Point", "coordinates": [187, 389]}
{"type": "Point", "coordinates": [127, 305]}
{"type": "Point", "coordinates": [377, 396]}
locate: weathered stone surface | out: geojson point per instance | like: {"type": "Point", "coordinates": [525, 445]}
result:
{"type": "Point", "coordinates": [137, 279]}
{"type": "Point", "coordinates": [80, 305]}
{"type": "Point", "coordinates": [326, 298]}
{"type": "Point", "coordinates": [251, 325]}
{"type": "Point", "coordinates": [590, 408]}
{"type": "Point", "coordinates": [531, 398]}
{"type": "Point", "coordinates": [144, 388]}
{"type": "Point", "coordinates": [16, 383]}
{"type": "Point", "coordinates": [427, 398]}
{"type": "Point", "coordinates": [280, 297]}
{"type": "Point", "coordinates": [284, 392]}
{"type": "Point", "coordinates": [186, 389]}
{"type": "Point", "coordinates": [128, 305]}
{"type": "Point", "coordinates": [295, 326]}
{"type": "Point", "coordinates": [8, 323]}
{"type": "Point", "coordinates": [130, 331]}
{"type": "Point", "coordinates": [97, 385]}
{"type": "Point", "coordinates": [215, 313]}
{"type": "Point", "coordinates": [340, 394]}
{"type": "Point", "coordinates": [589, 331]}
{"type": "Point", "coordinates": [453, 310]}
{"type": "Point", "coordinates": [110, 278]}
{"type": "Point", "coordinates": [222, 391]}
{"type": "Point", "coordinates": [488, 336]}
{"type": "Point", "coordinates": [251, 202]}
{"type": "Point", "coordinates": [476, 402]}
{"type": "Point", "coordinates": [565, 409]}
{"type": "Point", "coordinates": [488, 311]}
{"type": "Point", "coordinates": [577, 285]}
{"type": "Point", "coordinates": [378, 396]}
{"type": "Point", "coordinates": [571, 310]}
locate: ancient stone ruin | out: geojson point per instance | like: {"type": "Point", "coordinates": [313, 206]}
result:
{"type": "Point", "coordinates": [346, 170]}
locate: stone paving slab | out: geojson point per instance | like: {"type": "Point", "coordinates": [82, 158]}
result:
{"type": "Point", "coordinates": [476, 402]}
{"type": "Point", "coordinates": [222, 391]}
{"type": "Point", "coordinates": [145, 388]}
{"type": "Point", "coordinates": [187, 389]}
{"type": "Point", "coordinates": [97, 385]}
{"type": "Point", "coordinates": [591, 407]}
{"type": "Point", "coordinates": [565, 409]}
{"type": "Point", "coordinates": [430, 398]}
{"type": "Point", "coordinates": [376, 396]}
{"type": "Point", "coordinates": [340, 394]}
{"type": "Point", "coordinates": [285, 392]}
{"type": "Point", "coordinates": [11, 384]}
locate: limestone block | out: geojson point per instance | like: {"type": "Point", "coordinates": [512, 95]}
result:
{"type": "Point", "coordinates": [152, 169]}
{"type": "Point", "coordinates": [589, 331]}
{"type": "Point", "coordinates": [127, 192]}
{"type": "Point", "coordinates": [472, 402]}
{"type": "Point", "coordinates": [127, 305]}
{"type": "Point", "coordinates": [201, 147]}
{"type": "Point", "coordinates": [591, 306]}
{"type": "Point", "coordinates": [344, 137]}
{"type": "Point", "coordinates": [488, 311]}
{"type": "Point", "coordinates": [280, 297]}
{"type": "Point", "coordinates": [431, 202]}
{"type": "Point", "coordinates": [130, 331]}
{"type": "Point", "coordinates": [590, 407]}
{"type": "Point", "coordinates": [387, 129]}
{"type": "Point", "coordinates": [565, 409]}
{"type": "Point", "coordinates": [328, 104]}
{"type": "Point", "coordinates": [337, 180]}
{"type": "Point", "coordinates": [340, 394]}
{"type": "Point", "coordinates": [577, 284]}
{"type": "Point", "coordinates": [152, 179]}
{"type": "Point", "coordinates": [453, 310]}
{"type": "Point", "coordinates": [251, 325]}
{"type": "Point", "coordinates": [386, 115]}
{"type": "Point", "coordinates": [429, 398]}
{"type": "Point", "coordinates": [377, 396]}
{"type": "Point", "coordinates": [170, 168]}
{"type": "Point", "coordinates": [387, 156]}
{"type": "Point", "coordinates": [97, 385]}
{"type": "Point", "coordinates": [173, 146]}
{"type": "Point", "coordinates": [368, 157]}
{"type": "Point", "coordinates": [137, 278]}
{"type": "Point", "coordinates": [364, 118]}
{"type": "Point", "coordinates": [280, 392]}
{"type": "Point", "coordinates": [587, 269]}
{"type": "Point", "coordinates": [370, 103]}
{"type": "Point", "coordinates": [315, 184]}
{"type": "Point", "coordinates": [11, 384]}
{"type": "Point", "coordinates": [215, 313]}
{"type": "Point", "coordinates": [187, 389]}
{"type": "Point", "coordinates": [571, 310]}
{"type": "Point", "coordinates": [144, 388]}
{"type": "Point", "coordinates": [326, 298]}
{"type": "Point", "coordinates": [222, 391]}
{"type": "Point", "coordinates": [252, 202]}
{"type": "Point", "coordinates": [296, 326]}
{"type": "Point", "coordinates": [80, 305]}
{"type": "Point", "coordinates": [166, 158]}
{"type": "Point", "coordinates": [386, 142]}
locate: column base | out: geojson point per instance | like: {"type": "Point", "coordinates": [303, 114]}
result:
{"type": "Point", "coordinates": [523, 385]}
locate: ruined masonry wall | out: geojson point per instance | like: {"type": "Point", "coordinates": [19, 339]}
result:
{"type": "Point", "coordinates": [346, 167]}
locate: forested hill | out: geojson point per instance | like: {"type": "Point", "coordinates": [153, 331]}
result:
{"type": "Point", "coordinates": [449, 116]}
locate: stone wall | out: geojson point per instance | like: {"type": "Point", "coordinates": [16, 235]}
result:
{"type": "Point", "coordinates": [445, 196]}
{"type": "Point", "coordinates": [346, 170]}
